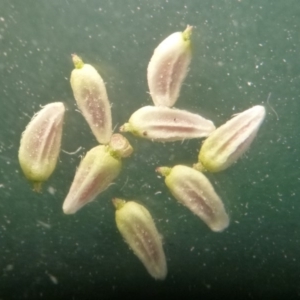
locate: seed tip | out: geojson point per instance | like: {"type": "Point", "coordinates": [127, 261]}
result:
{"type": "Point", "coordinates": [118, 203]}
{"type": "Point", "coordinates": [164, 171]}
{"type": "Point", "coordinates": [120, 146]}
{"type": "Point", "coordinates": [68, 209]}
{"type": "Point", "coordinates": [187, 32]}
{"type": "Point", "coordinates": [77, 61]}
{"type": "Point", "coordinates": [199, 167]}
{"type": "Point", "coordinates": [125, 127]}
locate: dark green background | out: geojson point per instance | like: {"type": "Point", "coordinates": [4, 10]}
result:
{"type": "Point", "coordinates": [243, 52]}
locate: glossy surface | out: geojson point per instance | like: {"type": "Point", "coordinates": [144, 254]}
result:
{"type": "Point", "coordinates": [139, 231]}
{"type": "Point", "coordinates": [164, 124]}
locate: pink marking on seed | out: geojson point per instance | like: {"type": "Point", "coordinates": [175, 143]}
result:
{"type": "Point", "coordinates": [177, 71]}
{"type": "Point", "coordinates": [96, 112]}
{"type": "Point", "coordinates": [144, 240]}
{"type": "Point", "coordinates": [44, 138]}
{"type": "Point", "coordinates": [174, 128]}
{"type": "Point", "coordinates": [90, 190]}
{"type": "Point", "coordinates": [199, 202]}
{"type": "Point", "coordinates": [236, 135]}
{"type": "Point", "coordinates": [163, 82]}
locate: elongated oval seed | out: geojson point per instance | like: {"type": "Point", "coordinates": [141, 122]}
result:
{"type": "Point", "coordinates": [91, 97]}
{"type": "Point", "coordinates": [168, 67]}
{"type": "Point", "coordinates": [139, 231]}
{"type": "Point", "coordinates": [40, 143]}
{"type": "Point", "coordinates": [95, 173]}
{"type": "Point", "coordinates": [192, 189]}
{"type": "Point", "coordinates": [228, 142]}
{"type": "Point", "coordinates": [166, 124]}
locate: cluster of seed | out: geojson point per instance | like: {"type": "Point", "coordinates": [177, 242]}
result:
{"type": "Point", "coordinates": [41, 140]}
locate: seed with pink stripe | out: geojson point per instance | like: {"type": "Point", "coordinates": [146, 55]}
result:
{"type": "Point", "coordinates": [40, 143]}
{"type": "Point", "coordinates": [230, 141]}
{"type": "Point", "coordinates": [168, 67]}
{"type": "Point", "coordinates": [192, 189]}
{"type": "Point", "coordinates": [139, 231]}
{"type": "Point", "coordinates": [92, 100]}
{"type": "Point", "coordinates": [95, 173]}
{"type": "Point", "coordinates": [164, 124]}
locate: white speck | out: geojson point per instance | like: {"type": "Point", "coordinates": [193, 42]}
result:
{"type": "Point", "coordinates": [9, 268]}
{"type": "Point", "coordinates": [51, 190]}
{"type": "Point", "coordinates": [52, 278]}
{"type": "Point", "coordinates": [157, 193]}
{"type": "Point", "coordinates": [45, 225]}
{"type": "Point", "coordinates": [249, 83]}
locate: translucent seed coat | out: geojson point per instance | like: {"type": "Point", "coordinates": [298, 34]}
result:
{"type": "Point", "coordinates": [139, 231]}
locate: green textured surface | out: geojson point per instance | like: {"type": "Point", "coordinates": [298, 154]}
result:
{"type": "Point", "coordinates": [243, 52]}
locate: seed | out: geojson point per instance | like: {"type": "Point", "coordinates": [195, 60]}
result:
{"type": "Point", "coordinates": [166, 124]}
{"type": "Point", "coordinates": [40, 144]}
{"type": "Point", "coordinates": [138, 229]}
{"type": "Point", "coordinates": [228, 142]}
{"type": "Point", "coordinates": [192, 189]}
{"type": "Point", "coordinates": [168, 67]}
{"type": "Point", "coordinates": [95, 173]}
{"type": "Point", "coordinates": [91, 97]}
